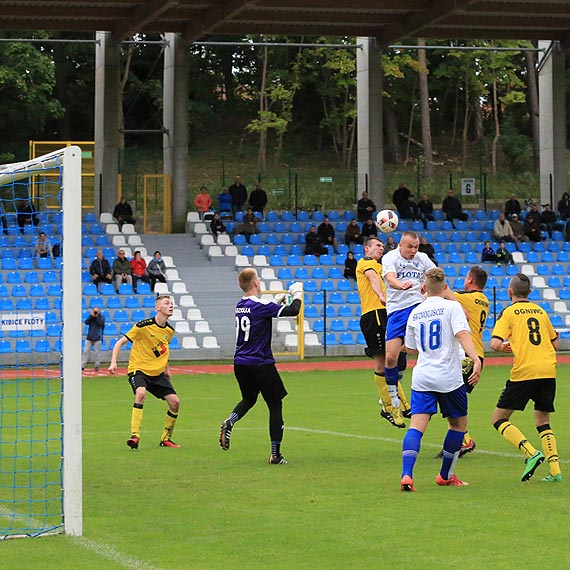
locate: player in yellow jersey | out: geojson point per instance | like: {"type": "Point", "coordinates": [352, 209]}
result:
{"type": "Point", "coordinates": [524, 329]}
{"type": "Point", "coordinates": [148, 368]}
{"type": "Point", "coordinates": [476, 306]}
{"type": "Point", "coordinates": [373, 322]}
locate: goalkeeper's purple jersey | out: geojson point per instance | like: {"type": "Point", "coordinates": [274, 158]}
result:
{"type": "Point", "coordinates": [253, 330]}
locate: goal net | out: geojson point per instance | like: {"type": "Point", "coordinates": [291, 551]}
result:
{"type": "Point", "coordinates": [40, 346]}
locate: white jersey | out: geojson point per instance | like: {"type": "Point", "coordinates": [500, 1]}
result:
{"type": "Point", "coordinates": [431, 330]}
{"type": "Point", "coordinates": [406, 270]}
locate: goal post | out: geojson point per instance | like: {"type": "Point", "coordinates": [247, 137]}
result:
{"type": "Point", "coordinates": [40, 346]}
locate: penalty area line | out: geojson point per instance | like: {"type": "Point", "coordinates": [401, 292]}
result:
{"type": "Point", "coordinates": [109, 553]}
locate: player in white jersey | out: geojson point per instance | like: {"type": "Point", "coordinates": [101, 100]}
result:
{"type": "Point", "coordinates": [436, 329]}
{"type": "Point", "coordinates": [403, 272]}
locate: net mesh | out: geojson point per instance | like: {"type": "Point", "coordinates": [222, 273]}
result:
{"type": "Point", "coordinates": [31, 324]}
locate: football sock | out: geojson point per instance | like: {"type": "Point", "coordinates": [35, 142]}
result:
{"type": "Point", "coordinates": [548, 442]}
{"type": "Point", "coordinates": [276, 421]}
{"type": "Point", "coordinates": [383, 390]}
{"type": "Point", "coordinates": [466, 438]}
{"type": "Point", "coordinates": [169, 425]}
{"type": "Point", "coordinates": [391, 375]}
{"type": "Point", "coordinates": [402, 361]}
{"type": "Point", "coordinates": [515, 437]}
{"type": "Point", "coordinates": [410, 449]}
{"type": "Point", "coordinates": [451, 446]}
{"type": "Point", "coordinates": [233, 419]}
{"type": "Point", "coordinates": [136, 419]}
{"type": "Point", "coordinates": [276, 448]}
{"type": "Point", "coordinates": [402, 397]}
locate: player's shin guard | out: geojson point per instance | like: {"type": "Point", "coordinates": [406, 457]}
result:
{"type": "Point", "coordinates": [392, 381]}
{"type": "Point", "coordinates": [136, 419]}
{"type": "Point", "coordinates": [380, 382]}
{"type": "Point", "coordinates": [451, 446]}
{"type": "Point", "coordinates": [410, 450]}
{"type": "Point", "coordinates": [548, 442]}
{"type": "Point", "coordinates": [402, 397]}
{"type": "Point", "coordinates": [515, 437]}
{"type": "Point", "coordinates": [169, 425]}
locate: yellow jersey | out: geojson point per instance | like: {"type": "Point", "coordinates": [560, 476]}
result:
{"type": "Point", "coordinates": [530, 333]}
{"type": "Point", "coordinates": [149, 351]}
{"type": "Point", "coordinates": [368, 298]}
{"type": "Point", "coordinates": [476, 306]}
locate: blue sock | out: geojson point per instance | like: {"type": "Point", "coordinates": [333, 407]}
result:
{"type": "Point", "coordinates": [451, 446]}
{"type": "Point", "coordinates": [410, 449]}
{"type": "Point", "coordinates": [391, 375]}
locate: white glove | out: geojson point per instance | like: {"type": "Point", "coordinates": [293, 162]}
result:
{"type": "Point", "coordinates": [296, 290]}
{"type": "Point", "coordinates": [280, 298]}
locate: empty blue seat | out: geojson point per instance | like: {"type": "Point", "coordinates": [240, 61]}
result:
{"type": "Point", "coordinates": [317, 216]}
{"type": "Point", "coordinates": [239, 239]}
{"type": "Point", "coordinates": [326, 260]}
{"type": "Point", "coordinates": [554, 282]}
{"type": "Point", "coordinates": [50, 277]}
{"type": "Point", "coordinates": [346, 338]}
{"type": "Point", "coordinates": [293, 260]}
{"type": "Point", "coordinates": [311, 312]}
{"type": "Point", "coordinates": [19, 291]}
{"type": "Point", "coordinates": [107, 289]}
{"type": "Point", "coordinates": [37, 291]}
{"type": "Point", "coordinates": [23, 345]}
{"type": "Point", "coordinates": [276, 261]}
{"type": "Point", "coordinates": [125, 289]}
{"type": "Point", "coordinates": [336, 298]}
{"type": "Point", "coordinates": [137, 315]}
{"type": "Point", "coordinates": [271, 239]}
{"type": "Point", "coordinates": [337, 325]}
{"type": "Point", "coordinates": [344, 311]}
{"type": "Point", "coordinates": [121, 316]}
{"type": "Point", "coordinates": [345, 285]}
{"type": "Point", "coordinates": [280, 250]}
{"type": "Point", "coordinates": [131, 302]}
{"type": "Point", "coordinates": [44, 262]}
{"type": "Point", "coordinates": [327, 285]}
{"type": "Point", "coordinates": [284, 273]}
{"type": "Point", "coordinates": [310, 260]}
{"type": "Point", "coordinates": [256, 239]}
{"type": "Point", "coordinates": [532, 257]}
{"type": "Point", "coordinates": [248, 250]}
{"type": "Point", "coordinates": [13, 277]}
{"type": "Point", "coordinates": [319, 325]}
{"type": "Point", "coordinates": [287, 239]}
{"type": "Point", "coordinates": [318, 273]}
{"type": "Point", "coordinates": [114, 302]}
{"type": "Point", "coordinates": [542, 269]}
{"type": "Point", "coordinates": [556, 321]}
{"type": "Point", "coordinates": [353, 298]}
{"type": "Point", "coordinates": [329, 310]}
{"type": "Point", "coordinates": [330, 339]}
{"type": "Point", "coordinates": [301, 273]}
{"type": "Point", "coordinates": [90, 289]}
{"type": "Point", "coordinates": [42, 345]}
{"type": "Point", "coordinates": [148, 301]}
{"type": "Point", "coordinates": [143, 288]}
{"type": "Point", "coordinates": [310, 286]}
{"type": "Point", "coordinates": [547, 257]}
{"type": "Point", "coordinates": [5, 347]}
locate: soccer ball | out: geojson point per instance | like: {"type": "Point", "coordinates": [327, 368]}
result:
{"type": "Point", "coordinates": [386, 221]}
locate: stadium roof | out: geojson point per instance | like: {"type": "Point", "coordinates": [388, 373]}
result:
{"type": "Point", "coordinates": [387, 20]}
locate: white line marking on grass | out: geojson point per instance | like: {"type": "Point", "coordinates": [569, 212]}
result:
{"type": "Point", "coordinates": [113, 555]}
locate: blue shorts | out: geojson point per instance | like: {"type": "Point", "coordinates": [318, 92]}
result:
{"type": "Point", "coordinates": [451, 404]}
{"type": "Point", "coordinates": [397, 321]}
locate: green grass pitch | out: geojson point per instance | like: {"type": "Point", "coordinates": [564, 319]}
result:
{"type": "Point", "coordinates": [336, 505]}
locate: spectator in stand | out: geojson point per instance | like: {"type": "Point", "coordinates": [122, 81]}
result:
{"type": "Point", "coordinates": [425, 208]}
{"type": "Point", "coordinates": [26, 215]}
{"type": "Point", "coordinates": [390, 244]}
{"type": "Point", "coordinates": [122, 270]}
{"type": "Point", "coordinates": [502, 255]}
{"type": "Point", "coordinates": [217, 226]}
{"type": "Point", "coordinates": [156, 269]}
{"type": "Point", "coordinates": [409, 210]}
{"type": "Point", "coordinates": [365, 207]}
{"type": "Point", "coordinates": [427, 248]}
{"type": "Point", "coordinates": [238, 192]}
{"type": "Point", "coordinates": [488, 253]}
{"type": "Point", "coordinates": [353, 233]}
{"type": "Point", "coordinates": [401, 195]}
{"type": "Point", "coordinates": [326, 231]}
{"type": "Point", "coordinates": [518, 229]}
{"type": "Point", "coordinates": [123, 213]}
{"type": "Point", "coordinates": [203, 202]}
{"type": "Point", "coordinates": [532, 228]}
{"type": "Point", "coordinates": [369, 229]}
{"type": "Point", "coordinates": [314, 244]}
{"type": "Point", "coordinates": [512, 206]}
{"type": "Point", "coordinates": [138, 270]}
{"type": "Point", "coordinates": [225, 201]}
{"type": "Point", "coordinates": [43, 246]}
{"type": "Point", "coordinates": [258, 198]}
{"type": "Point", "coordinates": [548, 220]}
{"type": "Point", "coordinates": [535, 211]}
{"type": "Point", "coordinates": [502, 230]}
{"type": "Point", "coordinates": [96, 323]}
{"type": "Point", "coordinates": [452, 208]}
{"type": "Point", "coordinates": [249, 225]}
{"type": "Point", "coordinates": [350, 266]}
{"type": "Point", "coordinates": [564, 206]}
{"type": "Point", "coordinates": [100, 270]}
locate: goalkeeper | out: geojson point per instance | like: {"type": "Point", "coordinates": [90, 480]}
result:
{"type": "Point", "coordinates": [254, 364]}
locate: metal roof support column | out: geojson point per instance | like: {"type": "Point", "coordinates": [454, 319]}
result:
{"type": "Point", "coordinates": [552, 105]}
{"type": "Point", "coordinates": [175, 119]}
{"type": "Point", "coordinates": [370, 124]}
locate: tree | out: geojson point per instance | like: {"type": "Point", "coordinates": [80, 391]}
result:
{"type": "Point", "coordinates": [425, 109]}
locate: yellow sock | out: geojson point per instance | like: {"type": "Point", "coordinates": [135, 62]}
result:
{"type": "Point", "coordinates": [548, 442]}
{"type": "Point", "coordinates": [514, 436]}
{"type": "Point", "coordinates": [169, 425]}
{"type": "Point", "coordinates": [383, 391]}
{"type": "Point", "coordinates": [136, 420]}
{"type": "Point", "coordinates": [403, 400]}
{"type": "Point", "coordinates": [466, 438]}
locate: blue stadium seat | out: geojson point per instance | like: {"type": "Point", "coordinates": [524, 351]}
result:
{"type": "Point", "coordinates": [23, 346]}
{"type": "Point", "coordinates": [450, 271]}
{"type": "Point", "coordinates": [496, 271]}
{"type": "Point", "coordinates": [293, 260]}
{"type": "Point", "coordinates": [564, 294]}
{"type": "Point", "coordinates": [337, 325]}
{"type": "Point", "coordinates": [37, 290]}
{"type": "Point", "coordinates": [532, 257]}
{"type": "Point", "coordinates": [556, 321]}
{"type": "Point", "coordinates": [310, 286]}
{"type": "Point", "coordinates": [46, 263]}
{"type": "Point", "coordinates": [303, 216]}
{"type": "Point", "coordinates": [256, 239]}
{"type": "Point", "coordinates": [50, 277]}
{"type": "Point", "coordinates": [311, 312]}
{"type": "Point", "coordinates": [542, 269]}
{"type": "Point", "coordinates": [330, 339]}
{"type": "Point", "coordinates": [143, 288]}
{"type": "Point", "coordinates": [96, 301]}
{"type": "Point", "coordinates": [333, 216]}
{"type": "Point", "coordinates": [107, 289]}
{"type": "Point", "coordinates": [280, 250]}
{"type": "Point", "coordinates": [512, 270]}
{"type": "Point", "coordinates": [345, 285]}
{"type": "Point", "coordinates": [503, 295]}
{"type": "Point", "coordinates": [301, 273]}
{"type": "Point", "coordinates": [547, 257]}
{"type": "Point", "coordinates": [114, 302]}
{"type": "Point", "coordinates": [271, 239]}
{"type": "Point", "coordinates": [271, 216]}
{"type": "Point", "coordinates": [19, 291]}
{"type": "Point", "coordinates": [327, 285]}
{"type": "Point", "coordinates": [317, 216]}
{"type": "Point", "coordinates": [239, 239]}
{"type": "Point", "coordinates": [563, 257]}
{"type": "Point", "coordinates": [360, 339]}
{"type": "Point", "coordinates": [318, 273]}
{"type": "Point", "coordinates": [5, 347]}
{"type": "Point", "coordinates": [353, 298]}
{"type": "Point", "coordinates": [319, 325]}
{"type": "Point", "coordinates": [326, 260]}
{"type": "Point", "coordinates": [329, 310]}
{"type": "Point", "coordinates": [344, 311]}
{"type": "Point", "coordinates": [121, 316]}
{"type": "Point", "coordinates": [276, 261]}
{"type": "Point", "coordinates": [336, 298]}
{"type": "Point", "coordinates": [535, 295]}
{"type": "Point", "coordinates": [280, 227]}
{"type": "Point", "coordinates": [554, 282]}
{"type": "Point", "coordinates": [148, 301]}
{"type": "Point", "coordinates": [13, 277]}
{"type": "Point", "coordinates": [125, 289]}
{"type": "Point", "coordinates": [558, 269]}
{"type": "Point", "coordinates": [310, 260]}
{"type": "Point", "coordinates": [136, 315]}
{"type": "Point", "coordinates": [346, 339]}
{"type": "Point", "coordinates": [288, 239]}
{"type": "Point", "coordinates": [42, 345]}
{"type": "Point", "coordinates": [131, 302]}
{"type": "Point", "coordinates": [42, 304]}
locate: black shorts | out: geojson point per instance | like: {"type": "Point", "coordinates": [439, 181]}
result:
{"type": "Point", "coordinates": [255, 379]}
{"type": "Point", "coordinates": [468, 386]}
{"type": "Point", "coordinates": [515, 395]}
{"type": "Point", "coordinates": [373, 327]}
{"type": "Point", "coordinates": [159, 386]}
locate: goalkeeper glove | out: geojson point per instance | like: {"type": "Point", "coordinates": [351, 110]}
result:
{"type": "Point", "coordinates": [296, 290]}
{"type": "Point", "coordinates": [280, 298]}
{"type": "Point", "coordinates": [466, 365]}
